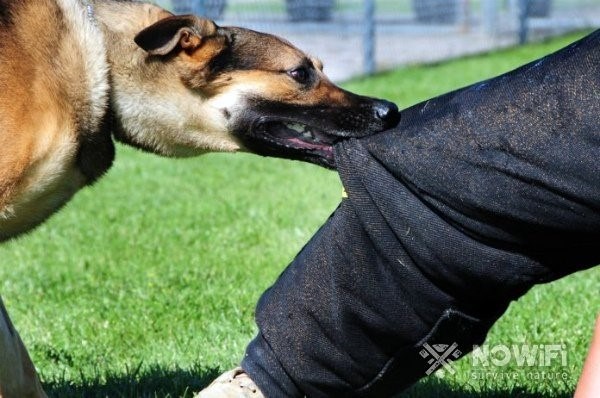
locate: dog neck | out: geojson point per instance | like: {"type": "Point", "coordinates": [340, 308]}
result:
{"type": "Point", "coordinates": [120, 22]}
{"type": "Point", "coordinates": [153, 109]}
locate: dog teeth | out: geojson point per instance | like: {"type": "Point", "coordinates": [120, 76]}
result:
{"type": "Point", "coordinates": [304, 132]}
{"type": "Point", "coordinates": [297, 127]}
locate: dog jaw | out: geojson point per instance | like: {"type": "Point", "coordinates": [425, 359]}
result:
{"type": "Point", "coordinates": [172, 123]}
{"type": "Point", "coordinates": [175, 122]}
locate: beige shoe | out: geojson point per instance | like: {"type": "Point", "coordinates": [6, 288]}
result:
{"type": "Point", "coordinates": [233, 384]}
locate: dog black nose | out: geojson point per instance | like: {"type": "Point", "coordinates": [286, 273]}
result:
{"type": "Point", "coordinates": [388, 113]}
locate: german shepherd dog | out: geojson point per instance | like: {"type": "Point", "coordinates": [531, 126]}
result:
{"type": "Point", "coordinates": [76, 73]}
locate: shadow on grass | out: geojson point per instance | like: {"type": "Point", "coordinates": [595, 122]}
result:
{"type": "Point", "coordinates": [149, 382]}
{"type": "Point", "coordinates": [155, 382]}
{"type": "Point", "coordinates": [433, 387]}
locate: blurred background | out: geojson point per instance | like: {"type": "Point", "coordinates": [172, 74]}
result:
{"type": "Point", "coordinates": [357, 37]}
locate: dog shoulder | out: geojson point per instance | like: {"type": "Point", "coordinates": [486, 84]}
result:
{"type": "Point", "coordinates": [54, 91]}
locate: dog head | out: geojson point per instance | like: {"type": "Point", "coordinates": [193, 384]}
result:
{"type": "Point", "coordinates": [255, 92]}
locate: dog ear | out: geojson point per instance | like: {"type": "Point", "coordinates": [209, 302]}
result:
{"type": "Point", "coordinates": [185, 31]}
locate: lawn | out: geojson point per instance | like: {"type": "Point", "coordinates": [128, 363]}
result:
{"type": "Point", "coordinates": [145, 284]}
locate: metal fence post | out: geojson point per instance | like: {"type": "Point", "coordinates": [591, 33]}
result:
{"type": "Point", "coordinates": [464, 16]}
{"type": "Point", "coordinates": [369, 37]}
{"type": "Point", "coordinates": [523, 16]}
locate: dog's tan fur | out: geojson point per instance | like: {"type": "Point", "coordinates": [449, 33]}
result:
{"type": "Point", "coordinates": [187, 121]}
{"type": "Point", "coordinates": [72, 77]}
{"type": "Point", "coordinates": [39, 115]}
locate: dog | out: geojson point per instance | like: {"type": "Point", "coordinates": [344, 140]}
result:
{"type": "Point", "coordinates": [76, 74]}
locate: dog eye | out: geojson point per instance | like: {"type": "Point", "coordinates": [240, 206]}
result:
{"type": "Point", "coordinates": [300, 75]}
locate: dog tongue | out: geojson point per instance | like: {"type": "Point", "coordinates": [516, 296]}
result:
{"type": "Point", "coordinates": [309, 145]}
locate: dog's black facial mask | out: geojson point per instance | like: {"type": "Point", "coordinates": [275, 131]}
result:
{"type": "Point", "coordinates": [309, 132]}
{"type": "Point", "coordinates": [292, 110]}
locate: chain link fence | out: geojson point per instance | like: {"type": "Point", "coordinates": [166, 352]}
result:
{"type": "Point", "coordinates": [355, 37]}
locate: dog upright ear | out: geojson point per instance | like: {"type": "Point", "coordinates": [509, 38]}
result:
{"type": "Point", "coordinates": [185, 32]}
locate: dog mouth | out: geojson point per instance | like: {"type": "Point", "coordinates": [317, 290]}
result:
{"type": "Point", "coordinates": [296, 135]}
{"type": "Point", "coordinates": [293, 140]}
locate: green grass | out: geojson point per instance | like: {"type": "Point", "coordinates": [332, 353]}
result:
{"type": "Point", "coordinates": [145, 284]}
